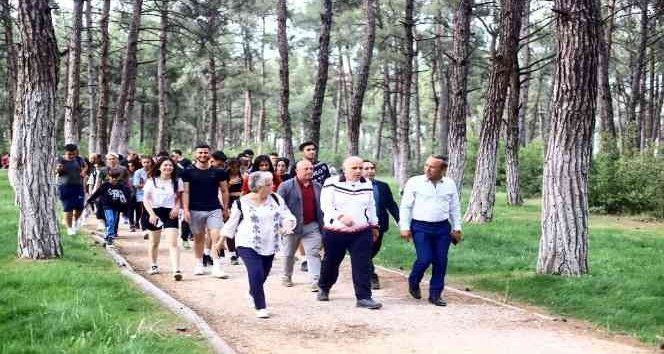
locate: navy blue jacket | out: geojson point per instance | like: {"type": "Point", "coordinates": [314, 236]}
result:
{"type": "Point", "coordinates": [385, 203]}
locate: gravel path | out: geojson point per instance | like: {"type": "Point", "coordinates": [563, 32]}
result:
{"type": "Point", "coordinates": [300, 324]}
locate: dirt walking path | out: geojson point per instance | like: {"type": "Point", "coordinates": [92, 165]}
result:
{"type": "Point", "coordinates": [300, 324]}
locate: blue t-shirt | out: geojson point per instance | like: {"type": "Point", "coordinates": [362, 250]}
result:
{"type": "Point", "coordinates": [204, 187]}
{"type": "Point", "coordinates": [140, 176]}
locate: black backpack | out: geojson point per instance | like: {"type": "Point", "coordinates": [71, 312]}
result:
{"type": "Point", "coordinates": [239, 205]}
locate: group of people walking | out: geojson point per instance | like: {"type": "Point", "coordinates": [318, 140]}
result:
{"type": "Point", "coordinates": [253, 208]}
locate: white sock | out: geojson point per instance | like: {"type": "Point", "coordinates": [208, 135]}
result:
{"type": "Point", "coordinates": [207, 251]}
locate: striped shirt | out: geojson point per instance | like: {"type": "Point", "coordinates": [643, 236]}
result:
{"type": "Point", "coordinates": [355, 199]}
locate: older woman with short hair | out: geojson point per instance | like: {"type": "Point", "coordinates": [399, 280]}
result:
{"type": "Point", "coordinates": [256, 222]}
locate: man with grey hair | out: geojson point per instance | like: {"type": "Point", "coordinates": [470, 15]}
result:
{"type": "Point", "coordinates": [302, 196]}
{"type": "Point", "coordinates": [351, 225]}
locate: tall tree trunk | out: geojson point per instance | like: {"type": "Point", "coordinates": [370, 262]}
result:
{"type": "Point", "coordinates": [262, 116]}
{"type": "Point", "coordinates": [443, 106]}
{"type": "Point", "coordinates": [536, 110]}
{"type": "Point", "coordinates": [120, 133]}
{"type": "Point", "coordinates": [403, 131]}
{"type": "Point", "coordinates": [483, 196]}
{"type": "Point", "coordinates": [141, 120]}
{"type": "Point", "coordinates": [524, 89]}
{"type": "Point", "coordinates": [62, 100]}
{"type": "Point", "coordinates": [248, 116]}
{"type": "Point", "coordinates": [416, 97]}
{"type": "Point", "coordinates": [394, 125]}
{"type": "Point", "coordinates": [33, 144]}
{"type": "Point", "coordinates": [73, 105]}
{"type": "Point", "coordinates": [162, 79]}
{"type": "Point", "coordinates": [248, 113]}
{"type": "Point", "coordinates": [212, 98]}
{"type": "Point", "coordinates": [608, 137]}
{"type": "Point", "coordinates": [360, 86]}
{"type": "Point", "coordinates": [563, 246]}
{"type": "Point", "coordinates": [323, 63]}
{"type": "Point", "coordinates": [341, 107]}
{"type": "Point", "coordinates": [92, 79]}
{"type": "Point", "coordinates": [636, 97]}
{"type": "Point", "coordinates": [460, 66]}
{"type": "Point", "coordinates": [385, 110]}
{"type": "Point", "coordinates": [104, 81]}
{"type": "Point", "coordinates": [512, 130]}
{"type": "Point", "coordinates": [650, 117]}
{"type": "Point", "coordinates": [284, 115]}
{"type": "Point", "coordinates": [11, 62]}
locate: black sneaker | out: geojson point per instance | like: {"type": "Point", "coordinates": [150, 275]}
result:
{"type": "Point", "coordinates": [234, 260]}
{"type": "Point", "coordinates": [369, 304]}
{"type": "Point", "coordinates": [415, 291]}
{"type": "Point", "coordinates": [304, 267]}
{"type": "Point", "coordinates": [177, 276]}
{"type": "Point", "coordinates": [439, 301]}
{"type": "Point", "coordinates": [207, 260]}
{"type": "Point", "coordinates": [323, 295]}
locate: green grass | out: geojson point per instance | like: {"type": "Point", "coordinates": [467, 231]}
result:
{"type": "Point", "coordinates": [624, 291]}
{"type": "Point", "coordinates": [79, 303]}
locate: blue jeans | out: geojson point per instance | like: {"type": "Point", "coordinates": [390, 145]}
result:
{"type": "Point", "coordinates": [258, 268]}
{"type": "Point", "coordinates": [112, 217]}
{"type": "Point", "coordinates": [432, 241]}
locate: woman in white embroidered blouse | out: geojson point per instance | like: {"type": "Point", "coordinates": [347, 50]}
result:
{"type": "Point", "coordinates": [257, 222]}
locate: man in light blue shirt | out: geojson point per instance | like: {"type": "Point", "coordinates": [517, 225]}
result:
{"type": "Point", "coordinates": [430, 215]}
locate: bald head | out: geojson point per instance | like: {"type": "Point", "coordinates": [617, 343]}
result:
{"type": "Point", "coordinates": [304, 171]}
{"type": "Point", "coordinates": [353, 168]}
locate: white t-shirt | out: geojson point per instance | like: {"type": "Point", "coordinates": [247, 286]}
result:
{"type": "Point", "coordinates": [160, 192]}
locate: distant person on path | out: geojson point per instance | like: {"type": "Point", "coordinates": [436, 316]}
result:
{"type": "Point", "coordinates": [202, 209]}
{"type": "Point", "coordinates": [309, 152]}
{"type": "Point", "coordinates": [302, 196]}
{"type": "Point", "coordinates": [139, 179]}
{"type": "Point", "coordinates": [182, 162]}
{"type": "Point", "coordinates": [261, 163]}
{"type": "Point", "coordinates": [350, 225]}
{"type": "Point", "coordinates": [133, 212]}
{"type": "Point", "coordinates": [114, 198]}
{"type": "Point", "coordinates": [163, 191]}
{"type": "Point", "coordinates": [257, 220]}
{"type": "Point", "coordinates": [71, 180]}
{"type": "Point", "coordinates": [385, 205]}
{"type": "Point", "coordinates": [234, 193]}
{"type": "Point", "coordinates": [282, 169]}
{"type": "Point", "coordinates": [430, 213]}
{"type": "Point", "coordinates": [97, 165]}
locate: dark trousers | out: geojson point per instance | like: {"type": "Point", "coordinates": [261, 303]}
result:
{"type": "Point", "coordinates": [185, 233]}
{"type": "Point", "coordinates": [359, 245]}
{"type": "Point", "coordinates": [133, 212]}
{"type": "Point", "coordinates": [258, 268]}
{"type": "Point", "coordinates": [376, 249]}
{"type": "Point", "coordinates": [99, 211]}
{"type": "Point", "coordinates": [432, 241]}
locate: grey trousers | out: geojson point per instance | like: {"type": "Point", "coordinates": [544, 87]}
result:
{"type": "Point", "coordinates": [311, 241]}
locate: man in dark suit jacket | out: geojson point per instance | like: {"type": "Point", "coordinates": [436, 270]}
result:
{"type": "Point", "coordinates": [384, 204]}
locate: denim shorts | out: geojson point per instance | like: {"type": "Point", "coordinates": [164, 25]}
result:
{"type": "Point", "coordinates": [201, 219]}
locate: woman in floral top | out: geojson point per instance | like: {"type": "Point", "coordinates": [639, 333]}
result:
{"type": "Point", "coordinates": [257, 221]}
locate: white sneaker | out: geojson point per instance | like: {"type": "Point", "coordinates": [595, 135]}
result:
{"type": "Point", "coordinates": [218, 270]}
{"type": "Point", "coordinates": [71, 231]}
{"type": "Point", "coordinates": [199, 269]}
{"type": "Point", "coordinates": [262, 313]}
{"type": "Point", "coordinates": [154, 270]}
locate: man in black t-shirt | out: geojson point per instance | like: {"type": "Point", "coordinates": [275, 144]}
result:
{"type": "Point", "coordinates": [71, 173]}
{"type": "Point", "coordinates": [202, 208]}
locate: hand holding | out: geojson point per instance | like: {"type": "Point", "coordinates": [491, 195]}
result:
{"type": "Point", "coordinates": [406, 235]}
{"type": "Point", "coordinates": [375, 233]}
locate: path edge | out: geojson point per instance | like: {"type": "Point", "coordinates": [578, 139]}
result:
{"type": "Point", "coordinates": [218, 344]}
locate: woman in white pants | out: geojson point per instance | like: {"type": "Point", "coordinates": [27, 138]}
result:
{"type": "Point", "coordinates": [162, 196]}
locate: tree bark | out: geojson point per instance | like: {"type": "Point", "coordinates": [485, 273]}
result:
{"type": "Point", "coordinates": [636, 97]}
{"type": "Point", "coordinates": [92, 79]}
{"type": "Point", "coordinates": [33, 144]}
{"type": "Point", "coordinates": [11, 62]}
{"type": "Point", "coordinates": [323, 64]}
{"type": "Point", "coordinates": [212, 99]}
{"type": "Point", "coordinates": [162, 80]}
{"type": "Point", "coordinates": [73, 105]}
{"type": "Point", "coordinates": [341, 107]}
{"type": "Point", "coordinates": [563, 246]}
{"type": "Point", "coordinates": [483, 196]}
{"type": "Point", "coordinates": [104, 81]}
{"type": "Point", "coordinates": [403, 131]}
{"type": "Point", "coordinates": [284, 115]}
{"type": "Point", "coordinates": [524, 89]}
{"type": "Point", "coordinates": [460, 66]}
{"type": "Point", "coordinates": [262, 116]}
{"type": "Point", "coordinates": [416, 97]}
{"type": "Point", "coordinates": [443, 106]}
{"type": "Point", "coordinates": [512, 140]}
{"type": "Point", "coordinates": [608, 137]}
{"type": "Point", "coordinates": [120, 133]}
{"type": "Point", "coordinates": [141, 120]}
{"type": "Point", "coordinates": [360, 86]}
